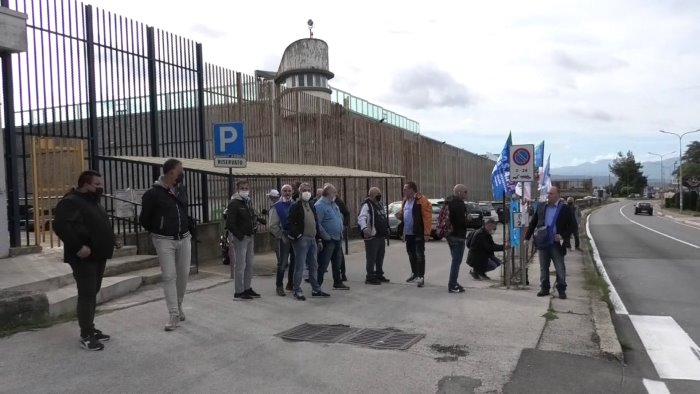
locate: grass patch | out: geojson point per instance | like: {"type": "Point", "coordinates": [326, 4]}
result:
{"type": "Point", "coordinates": [11, 329]}
{"type": "Point", "coordinates": [551, 314]}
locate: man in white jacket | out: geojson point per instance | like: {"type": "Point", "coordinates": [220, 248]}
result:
{"type": "Point", "coordinates": [374, 225]}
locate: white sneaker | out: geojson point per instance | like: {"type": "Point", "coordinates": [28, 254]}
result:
{"type": "Point", "coordinates": [421, 281]}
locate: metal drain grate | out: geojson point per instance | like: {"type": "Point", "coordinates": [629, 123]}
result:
{"type": "Point", "coordinates": [372, 338]}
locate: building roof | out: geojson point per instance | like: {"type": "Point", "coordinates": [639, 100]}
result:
{"type": "Point", "coordinates": [262, 170]}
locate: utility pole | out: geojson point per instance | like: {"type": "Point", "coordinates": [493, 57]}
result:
{"type": "Point", "coordinates": [661, 156]}
{"type": "Point", "coordinates": [680, 161]}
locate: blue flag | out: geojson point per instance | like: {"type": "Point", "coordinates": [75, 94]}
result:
{"type": "Point", "coordinates": [539, 155]}
{"type": "Point", "coordinates": [514, 231]}
{"type": "Point", "coordinates": [500, 183]}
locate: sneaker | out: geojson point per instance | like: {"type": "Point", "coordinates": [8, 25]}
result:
{"type": "Point", "coordinates": [171, 325]}
{"type": "Point", "coordinates": [383, 279]}
{"type": "Point", "coordinates": [280, 291]}
{"type": "Point", "coordinates": [421, 281]}
{"type": "Point", "coordinates": [411, 278]}
{"type": "Point", "coordinates": [182, 314]}
{"type": "Point", "coordinates": [340, 286]}
{"type": "Point", "coordinates": [484, 276]}
{"type": "Point", "coordinates": [242, 297]}
{"type": "Point", "coordinates": [252, 293]}
{"type": "Point", "coordinates": [456, 289]}
{"type": "Point", "coordinates": [289, 287]}
{"type": "Point", "coordinates": [343, 278]}
{"type": "Point", "coordinates": [319, 293]}
{"type": "Point", "coordinates": [543, 293]}
{"type": "Point", "coordinates": [372, 281]}
{"type": "Point", "coordinates": [562, 295]}
{"type": "Point", "coordinates": [474, 275]}
{"type": "Point", "coordinates": [102, 337]}
{"type": "Point", "coordinates": [299, 297]}
{"type": "Point", "coordinates": [91, 343]}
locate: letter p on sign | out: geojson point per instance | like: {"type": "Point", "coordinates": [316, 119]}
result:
{"type": "Point", "coordinates": [229, 139]}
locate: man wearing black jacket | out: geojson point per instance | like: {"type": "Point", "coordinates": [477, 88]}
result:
{"type": "Point", "coordinates": [84, 227]}
{"type": "Point", "coordinates": [164, 214]}
{"type": "Point", "coordinates": [458, 234]}
{"type": "Point", "coordinates": [242, 222]}
{"type": "Point", "coordinates": [481, 249]}
{"type": "Point", "coordinates": [551, 225]}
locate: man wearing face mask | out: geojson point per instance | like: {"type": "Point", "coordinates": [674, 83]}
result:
{"type": "Point", "coordinates": [374, 227]}
{"type": "Point", "coordinates": [279, 228]}
{"type": "Point", "coordinates": [481, 249]}
{"type": "Point", "coordinates": [164, 213]}
{"type": "Point", "coordinates": [88, 242]}
{"type": "Point", "coordinates": [303, 231]}
{"type": "Point", "coordinates": [241, 222]}
{"type": "Point", "coordinates": [330, 224]}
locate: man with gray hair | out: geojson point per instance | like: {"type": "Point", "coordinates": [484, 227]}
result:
{"type": "Point", "coordinates": [374, 226]}
{"type": "Point", "coordinates": [481, 250]}
{"type": "Point", "coordinates": [457, 234]}
{"type": "Point", "coordinates": [330, 225]}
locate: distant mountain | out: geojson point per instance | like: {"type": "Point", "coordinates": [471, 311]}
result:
{"type": "Point", "coordinates": [599, 171]}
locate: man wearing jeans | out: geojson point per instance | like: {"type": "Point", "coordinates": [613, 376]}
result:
{"type": "Point", "coordinates": [164, 215]}
{"type": "Point", "coordinates": [241, 222]}
{"type": "Point", "coordinates": [279, 227]}
{"type": "Point", "coordinates": [88, 242]}
{"type": "Point", "coordinates": [457, 237]}
{"type": "Point", "coordinates": [374, 226]}
{"type": "Point", "coordinates": [416, 214]}
{"type": "Point", "coordinates": [330, 226]}
{"type": "Point", "coordinates": [303, 231]}
{"type": "Point", "coordinates": [553, 223]}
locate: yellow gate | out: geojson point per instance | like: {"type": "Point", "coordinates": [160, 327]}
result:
{"type": "Point", "coordinates": [56, 164]}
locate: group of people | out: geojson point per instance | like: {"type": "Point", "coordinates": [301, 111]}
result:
{"type": "Point", "coordinates": [307, 230]}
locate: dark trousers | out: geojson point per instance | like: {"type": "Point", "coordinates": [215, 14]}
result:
{"type": "Point", "coordinates": [553, 254]}
{"type": "Point", "coordinates": [331, 253]}
{"type": "Point", "coordinates": [374, 253]}
{"type": "Point", "coordinates": [415, 246]}
{"type": "Point", "coordinates": [457, 246]}
{"type": "Point", "coordinates": [290, 274]}
{"type": "Point", "coordinates": [284, 247]}
{"type": "Point", "coordinates": [577, 241]}
{"type": "Point", "coordinates": [88, 278]}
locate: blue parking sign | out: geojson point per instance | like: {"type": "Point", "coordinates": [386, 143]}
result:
{"type": "Point", "coordinates": [229, 139]}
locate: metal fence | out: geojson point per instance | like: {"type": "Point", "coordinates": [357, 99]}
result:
{"type": "Point", "coordinates": [125, 88]}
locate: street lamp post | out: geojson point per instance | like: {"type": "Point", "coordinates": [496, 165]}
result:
{"type": "Point", "coordinates": [661, 156]}
{"type": "Point", "coordinates": [680, 160]}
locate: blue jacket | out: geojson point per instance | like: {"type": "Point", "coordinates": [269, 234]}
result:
{"type": "Point", "coordinates": [330, 220]}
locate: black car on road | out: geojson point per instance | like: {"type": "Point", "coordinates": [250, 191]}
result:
{"type": "Point", "coordinates": [643, 207]}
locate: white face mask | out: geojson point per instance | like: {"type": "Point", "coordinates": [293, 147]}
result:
{"type": "Point", "coordinates": [306, 196]}
{"type": "Point", "coordinates": [333, 198]}
{"type": "Point", "coordinates": [244, 194]}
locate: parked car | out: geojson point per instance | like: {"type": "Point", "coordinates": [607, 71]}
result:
{"type": "Point", "coordinates": [394, 230]}
{"type": "Point", "coordinates": [498, 205]}
{"type": "Point", "coordinates": [436, 206]}
{"type": "Point", "coordinates": [643, 207]}
{"type": "Point", "coordinates": [488, 210]}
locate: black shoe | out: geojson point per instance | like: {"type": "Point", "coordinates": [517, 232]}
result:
{"type": "Point", "coordinates": [319, 294]}
{"type": "Point", "coordinates": [484, 276]}
{"type": "Point", "coordinates": [252, 293]}
{"type": "Point", "coordinates": [411, 278]}
{"type": "Point", "coordinates": [421, 281]}
{"type": "Point", "coordinates": [372, 281]}
{"type": "Point", "coordinates": [562, 295]}
{"type": "Point", "coordinates": [344, 278]}
{"type": "Point", "coordinates": [91, 343]}
{"type": "Point", "coordinates": [456, 289]}
{"type": "Point", "coordinates": [383, 279]}
{"type": "Point", "coordinates": [242, 297]}
{"type": "Point", "coordinates": [102, 337]}
{"type": "Point", "coordinates": [340, 286]}
{"type": "Point", "coordinates": [299, 297]}
{"type": "Point", "coordinates": [474, 275]}
{"type": "Point", "coordinates": [543, 293]}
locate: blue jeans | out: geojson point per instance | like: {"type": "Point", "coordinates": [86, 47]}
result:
{"type": "Point", "coordinates": [305, 251]}
{"type": "Point", "coordinates": [332, 254]}
{"type": "Point", "coordinates": [552, 254]}
{"type": "Point", "coordinates": [284, 246]}
{"type": "Point", "coordinates": [415, 246]}
{"type": "Point", "coordinates": [457, 246]}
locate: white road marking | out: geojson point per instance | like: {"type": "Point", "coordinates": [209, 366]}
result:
{"type": "Point", "coordinates": [614, 296]}
{"type": "Point", "coordinates": [655, 387]}
{"type": "Point", "coordinates": [669, 347]}
{"type": "Point", "coordinates": [655, 231]}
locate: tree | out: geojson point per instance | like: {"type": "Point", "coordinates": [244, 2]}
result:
{"type": "Point", "coordinates": [629, 174]}
{"type": "Point", "coordinates": [691, 160]}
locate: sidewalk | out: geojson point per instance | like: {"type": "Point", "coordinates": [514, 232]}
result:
{"type": "Point", "coordinates": [690, 220]}
{"type": "Point", "coordinates": [472, 343]}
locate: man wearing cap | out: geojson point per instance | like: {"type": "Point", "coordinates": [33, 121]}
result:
{"type": "Point", "coordinates": [273, 196]}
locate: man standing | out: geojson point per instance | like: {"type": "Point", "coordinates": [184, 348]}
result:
{"type": "Point", "coordinates": [374, 226]}
{"type": "Point", "coordinates": [242, 222]}
{"type": "Point", "coordinates": [416, 215]}
{"type": "Point", "coordinates": [577, 221]}
{"type": "Point", "coordinates": [164, 215]}
{"type": "Point", "coordinates": [346, 222]}
{"type": "Point", "coordinates": [84, 227]}
{"type": "Point", "coordinates": [456, 239]}
{"type": "Point", "coordinates": [330, 225]}
{"type": "Point", "coordinates": [551, 224]}
{"type": "Point", "coordinates": [481, 250]}
{"type": "Point", "coordinates": [273, 196]}
{"type": "Point", "coordinates": [303, 231]}
{"type": "Point", "coordinates": [279, 228]}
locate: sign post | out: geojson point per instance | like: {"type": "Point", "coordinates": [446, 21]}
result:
{"type": "Point", "coordinates": [522, 170]}
{"type": "Point", "coordinates": [229, 148]}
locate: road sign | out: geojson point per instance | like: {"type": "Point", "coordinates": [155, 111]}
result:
{"type": "Point", "coordinates": [520, 219]}
{"type": "Point", "coordinates": [230, 162]}
{"type": "Point", "coordinates": [522, 163]}
{"type": "Point", "coordinates": [229, 139]}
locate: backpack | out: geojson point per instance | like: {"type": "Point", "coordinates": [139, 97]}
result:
{"type": "Point", "coordinates": [444, 227]}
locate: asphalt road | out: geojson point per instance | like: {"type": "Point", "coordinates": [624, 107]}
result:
{"type": "Point", "coordinates": [654, 264]}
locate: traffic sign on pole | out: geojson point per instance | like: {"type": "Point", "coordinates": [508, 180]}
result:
{"type": "Point", "coordinates": [229, 145]}
{"type": "Point", "coordinates": [522, 163]}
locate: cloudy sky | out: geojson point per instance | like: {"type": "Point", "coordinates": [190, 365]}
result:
{"type": "Point", "coordinates": [588, 77]}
